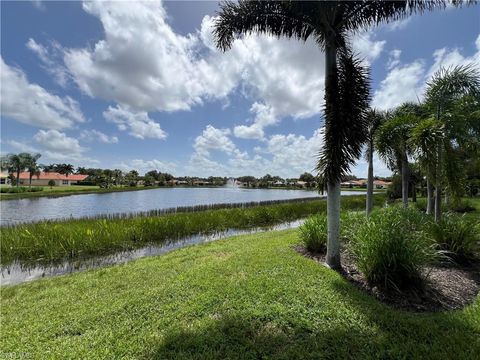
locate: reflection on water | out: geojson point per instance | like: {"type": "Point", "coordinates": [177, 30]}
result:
{"type": "Point", "coordinates": [17, 273]}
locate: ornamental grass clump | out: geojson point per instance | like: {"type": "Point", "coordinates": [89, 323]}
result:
{"type": "Point", "coordinates": [313, 233]}
{"type": "Point", "coordinates": [456, 235]}
{"type": "Point", "coordinates": [391, 249]}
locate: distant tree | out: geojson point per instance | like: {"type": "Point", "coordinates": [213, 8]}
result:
{"type": "Point", "coordinates": [117, 177]}
{"type": "Point", "coordinates": [81, 171]}
{"type": "Point", "coordinates": [16, 163]}
{"type": "Point", "coordinates": [375, 119]}
{"type": "Point", "coordinates": [152, 173]}
{"type": "Point", "coordinates": [51, 183]}
{"type": "Point", "coordinates": [162, 180]}
{"type": "Point", "coordinates": [132, 178]}
{"type": "Point", "coordinates": [49, 168]}
{"type": "Point", "coordinates": [308, 178]}
{"type": "Point", "coordinates": [249, 180]}
{"type": "Point", "coordinates": [32, 167]}
{"type": "Point", "coordinates": [65, 169]}
{"type": "Point", "coordinates": [148, 180]}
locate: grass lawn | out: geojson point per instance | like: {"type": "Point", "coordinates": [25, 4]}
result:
{"type": "Point", "coordinates": [250, 297]}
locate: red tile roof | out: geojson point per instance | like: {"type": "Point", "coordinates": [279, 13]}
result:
{"type": "Point", "coordinates": [381, 182]}
{"type": "Point", "coordinates": [52, 176]}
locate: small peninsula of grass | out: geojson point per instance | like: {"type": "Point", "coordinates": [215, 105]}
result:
{"type": "Point", "coordinates": [248, 297]}
{"type": "Point", "coordinates": [54, 241]}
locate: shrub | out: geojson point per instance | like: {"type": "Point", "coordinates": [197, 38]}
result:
{"type": "Point", "coordinates": [455, 235]}
{"type": "Point", "coordinates": [313, 233]}
{"type": "Point", "coordinates": [462, 206]}
{"type": "Point", "coordinates": [350, 221]}
{"type": "Point", "coordinates": [51, 183]}
{"type": "Point", "coordinates": [390, 250]}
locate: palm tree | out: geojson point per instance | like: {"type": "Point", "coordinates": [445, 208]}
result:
{"type": "Point", "coordinates": [329, 23]}
{"type": "Point", "coordinates": [446, 88]}
{"type": "Point", "coordinates": [424, 138]}
{"type": "Point", "coordinates": [65, 169]}
{"type": "Point", "coordinates": [32, 167]}
{"type": "Point", "coordinates": [15, 163]}
{"type": "Point", "coordinates": [375, 118]}
{"type": "Point", "coordinates": [392, 142]}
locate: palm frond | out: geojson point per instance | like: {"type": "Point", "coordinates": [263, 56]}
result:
{"type": "Point", "coordinates": [346, 125]}
{"type": "Point", "coordinates": [277, 18]}
{"type": "Point", "coordinates": [450, 84]}
{"type": "Point", "coordinates": [363, 14]}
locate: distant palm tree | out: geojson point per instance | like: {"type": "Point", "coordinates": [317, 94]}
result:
{"type": "Point", "coordinates": [447, 86]}
{"type": "Point", "coordinates": [328, 23]}
{"type": "Point", "coordinates": [375, 118]}
{"type": "Point", "coordinates": [15, 163]}
{"type": "Point", "coordinates": [32, 167]}
{"type": "Point", "coordinates": [65, 169]}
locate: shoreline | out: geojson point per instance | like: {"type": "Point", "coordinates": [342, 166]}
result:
{"type": "Point", "coordinates": [60, 193]}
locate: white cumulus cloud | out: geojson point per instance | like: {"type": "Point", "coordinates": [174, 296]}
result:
{"type": "Point", "coordinates": [137, 123]}
{"type": "Point", "coordinates": [95, 135]}
{"type": "Point", "coordinates": [33, 105]}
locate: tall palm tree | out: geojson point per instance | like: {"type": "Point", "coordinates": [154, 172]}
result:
{"type": "Point", "coordinates": [328, 23]}
{"type": "Point", "coordinates": [375, 118]}
{"type": "Point", "coordinates": [446, 88]}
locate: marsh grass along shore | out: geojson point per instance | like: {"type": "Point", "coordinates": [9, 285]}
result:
{"type": "Point", "coordinates": [56, 241]}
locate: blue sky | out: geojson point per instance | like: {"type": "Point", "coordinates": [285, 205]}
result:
{"type": "Point", "coordinates": [141, 85]}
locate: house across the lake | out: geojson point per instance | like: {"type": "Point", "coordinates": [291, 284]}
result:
{"type": "Point", "coordinates": [44, 177]}
{"type": "Point", "coordinates": [362, 183]}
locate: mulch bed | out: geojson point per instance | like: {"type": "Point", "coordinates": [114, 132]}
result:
{"type": "Point", "coordinates": [447, 287]}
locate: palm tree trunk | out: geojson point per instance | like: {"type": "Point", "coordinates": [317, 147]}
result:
{"type": "Point", "coordinates": [30, 183]}
{"type": "Point", "coordinates": [438, 188]}
{"type": "Point", "coordinates": [429, 197]}
{"type": "Point", "coordinates": [18, 176]}
{"type": "Point", "coordinates": [414, 192]}
{"type": "Point", "coordinates": [333, 187]}
{"type": "Point", "coordinates": [438, 203]}
{"type": "Point", "coordinates": [333, 225]}
{"type": "Point", "coordinates": [370, 179]}
{"type": "Point", "coordinates": [405, 181]}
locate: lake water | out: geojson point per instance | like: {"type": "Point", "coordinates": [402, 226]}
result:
{"type": "Point", "coordinates": [76, 206]}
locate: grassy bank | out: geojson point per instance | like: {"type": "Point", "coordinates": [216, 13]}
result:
{"type": "Point", "coordinates": [250, 297]}
{"type": "Point", "coordinates": [53, 241]}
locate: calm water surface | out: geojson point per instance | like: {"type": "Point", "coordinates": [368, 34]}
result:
{"type": "Point", "coordinates": [76, 206]}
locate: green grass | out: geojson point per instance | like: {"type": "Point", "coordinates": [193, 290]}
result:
{"type": "Point", "coordinates": [250, 297]}
{"type": "Point", "coordinates": [54, 241]}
